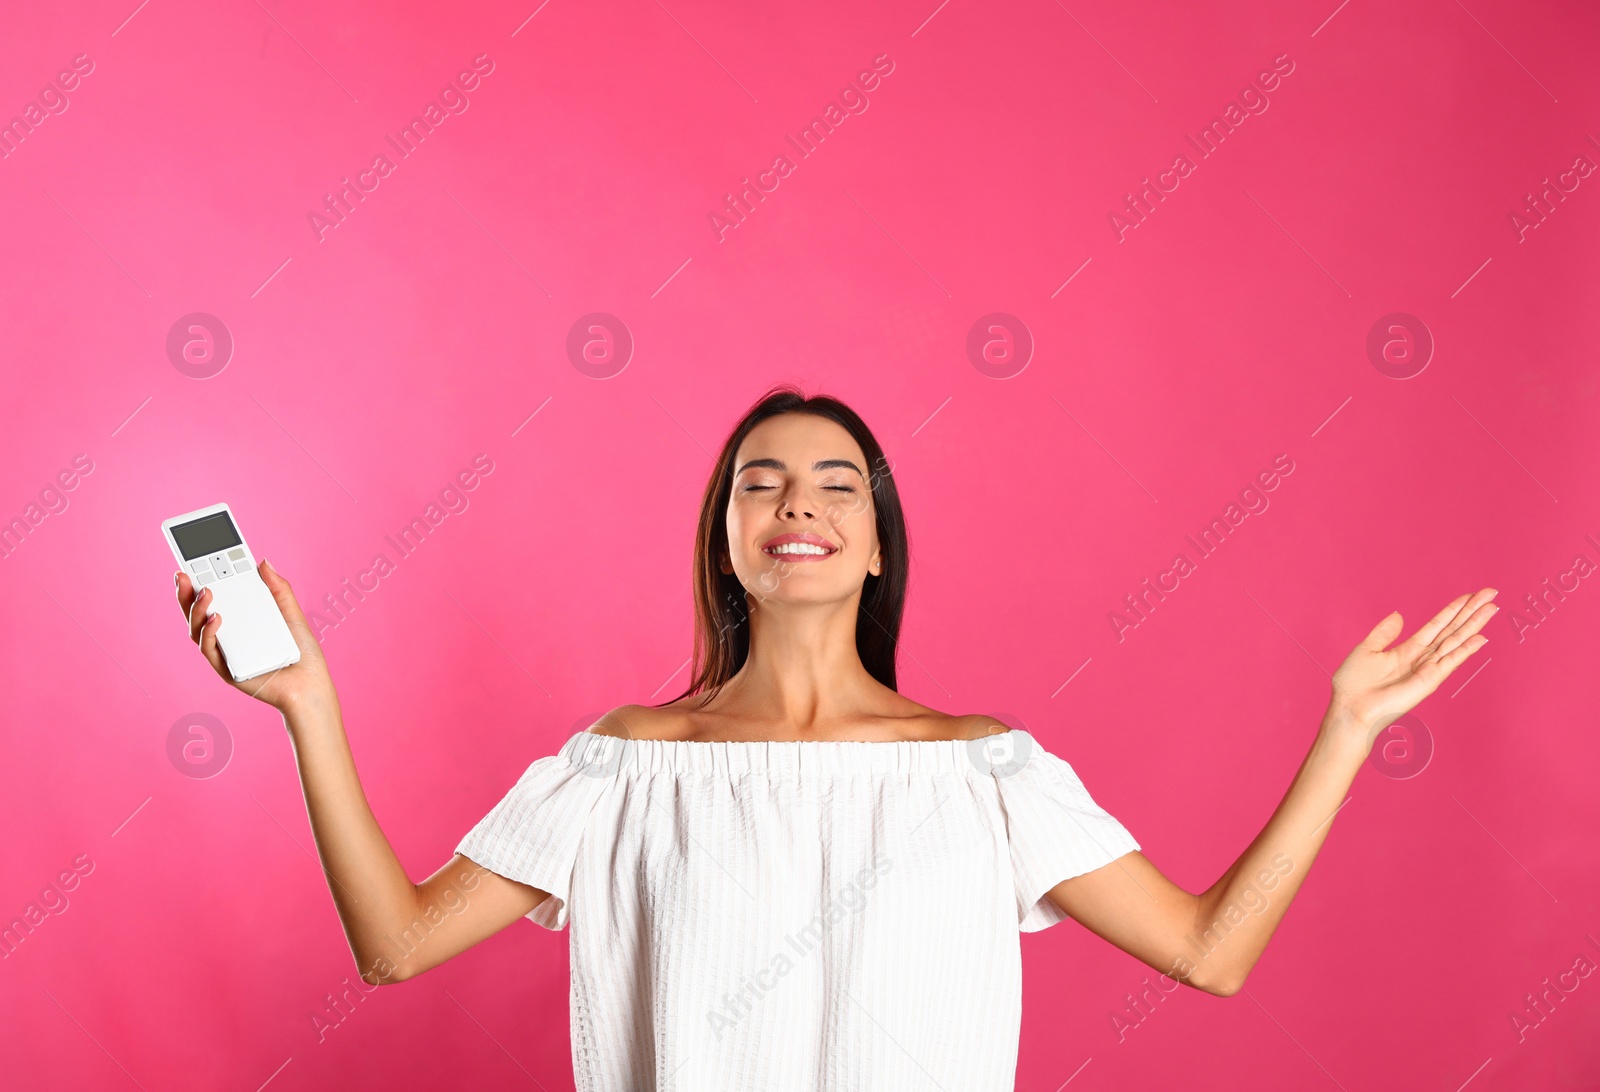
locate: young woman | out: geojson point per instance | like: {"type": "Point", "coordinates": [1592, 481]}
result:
{"type": "Point", "coordinates": [792, 877]}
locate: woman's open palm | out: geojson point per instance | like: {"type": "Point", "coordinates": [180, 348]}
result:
{"type": "Point", "coordinates": [1377, 684]}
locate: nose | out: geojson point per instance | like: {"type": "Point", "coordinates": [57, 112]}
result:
{"type": "Point", "coordinates": [789, 509]}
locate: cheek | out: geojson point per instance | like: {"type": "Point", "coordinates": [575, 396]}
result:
{"type": "Point", "coordinates": [738, 532]}
{"type": "Point", "coordinates": [856, 513]}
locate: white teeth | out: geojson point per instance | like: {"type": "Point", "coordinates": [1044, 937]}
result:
{"type": "Point", "coordinates": [798, 548]}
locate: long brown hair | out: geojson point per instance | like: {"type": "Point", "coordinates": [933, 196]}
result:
{"type": "Point", "coordinates": [721, 615]}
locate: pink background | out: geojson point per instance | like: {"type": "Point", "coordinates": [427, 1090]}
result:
{"type": "Point", "coordinates": [1170, 368]}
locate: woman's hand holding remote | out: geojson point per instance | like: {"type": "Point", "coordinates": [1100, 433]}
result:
{"type": "Point", "coordinates": [297, 684]}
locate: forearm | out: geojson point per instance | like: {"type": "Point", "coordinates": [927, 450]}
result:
{"type": "Point", "coordinates": [374, 897]}
{"type": "Point", "coordinates": [1236, 916]}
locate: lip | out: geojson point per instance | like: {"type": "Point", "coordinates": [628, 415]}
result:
{"type": "Point", "coordinates": [814, 540]}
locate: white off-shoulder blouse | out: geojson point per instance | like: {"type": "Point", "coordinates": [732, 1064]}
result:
{"type": "Point", "coordinates": [811, 915]}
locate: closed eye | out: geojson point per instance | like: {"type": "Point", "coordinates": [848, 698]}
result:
{"type": "Point", "coordinates": [843, 488]}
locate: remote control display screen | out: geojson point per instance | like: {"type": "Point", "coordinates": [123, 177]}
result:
{"type": "Point", "coordinates": [210, 535]}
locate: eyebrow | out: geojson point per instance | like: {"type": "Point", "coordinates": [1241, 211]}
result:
{"type": "Point", "coordinates": [820, 464]}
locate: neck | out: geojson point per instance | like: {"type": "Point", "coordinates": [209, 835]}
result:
{"type": "Point", "coordinates": [803, 670]}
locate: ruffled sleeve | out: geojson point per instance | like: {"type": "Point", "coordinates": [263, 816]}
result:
{"type": "Point", "coordinates": [1055, 828]}
{"type": "Point", "coordinates": [534, 833]}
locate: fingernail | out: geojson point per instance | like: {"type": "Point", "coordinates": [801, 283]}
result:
{"type": "Point", "coordinates": [175, 576]}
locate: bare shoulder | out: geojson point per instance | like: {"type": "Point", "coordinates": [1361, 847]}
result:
{"type": "Point", "coordinates": [637, 722]}
{"type": "Point", "coordinates": [932, 724]}
{"type": "Point", "coordinates": [678, 722]}
{"type": "Point", "coordinates": [921, 722]}
{"type": "Point", "coordinates": [978, 725]}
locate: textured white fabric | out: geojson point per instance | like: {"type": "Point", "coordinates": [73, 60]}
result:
{"type": "Point", "coordinates": [799, 915]}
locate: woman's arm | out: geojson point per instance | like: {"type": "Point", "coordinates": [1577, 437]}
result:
{"type": "Point", "coordinates": [396, 929]}
{"type": "Point", "coordinates": [1213, 939]}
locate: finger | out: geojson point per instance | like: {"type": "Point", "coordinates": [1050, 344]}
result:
{"type": "Point", "coordinates": [197, 613]}
{"type": "Point", "coordinates": [1452, 660]}
{"type": "Point", "coordinates": [185, 588]}
{"type": "Point", "coordinates": [1469, 626]}
{"type": "Point", "coordinates": [282, 593]}
{"type": "Point", "coordinates": [1384, 632]}
{"type": "Point", "coordinates": [1434, 626]}
{"type": "Point", "coordinates": [1463, 617]}
{"type": "Point", "coordinates": [209, 646]}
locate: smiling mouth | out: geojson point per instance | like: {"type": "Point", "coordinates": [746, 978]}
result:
{"type": "Point", "coordinates": [799, 551]}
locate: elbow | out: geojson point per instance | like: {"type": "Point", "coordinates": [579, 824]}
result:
{"type": "Point", "coordinates": [383, 972]}
{"type": "Point", "coordinates": [1226, 983]}
{"type": "Point", "coordinates": [1218, 980]}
